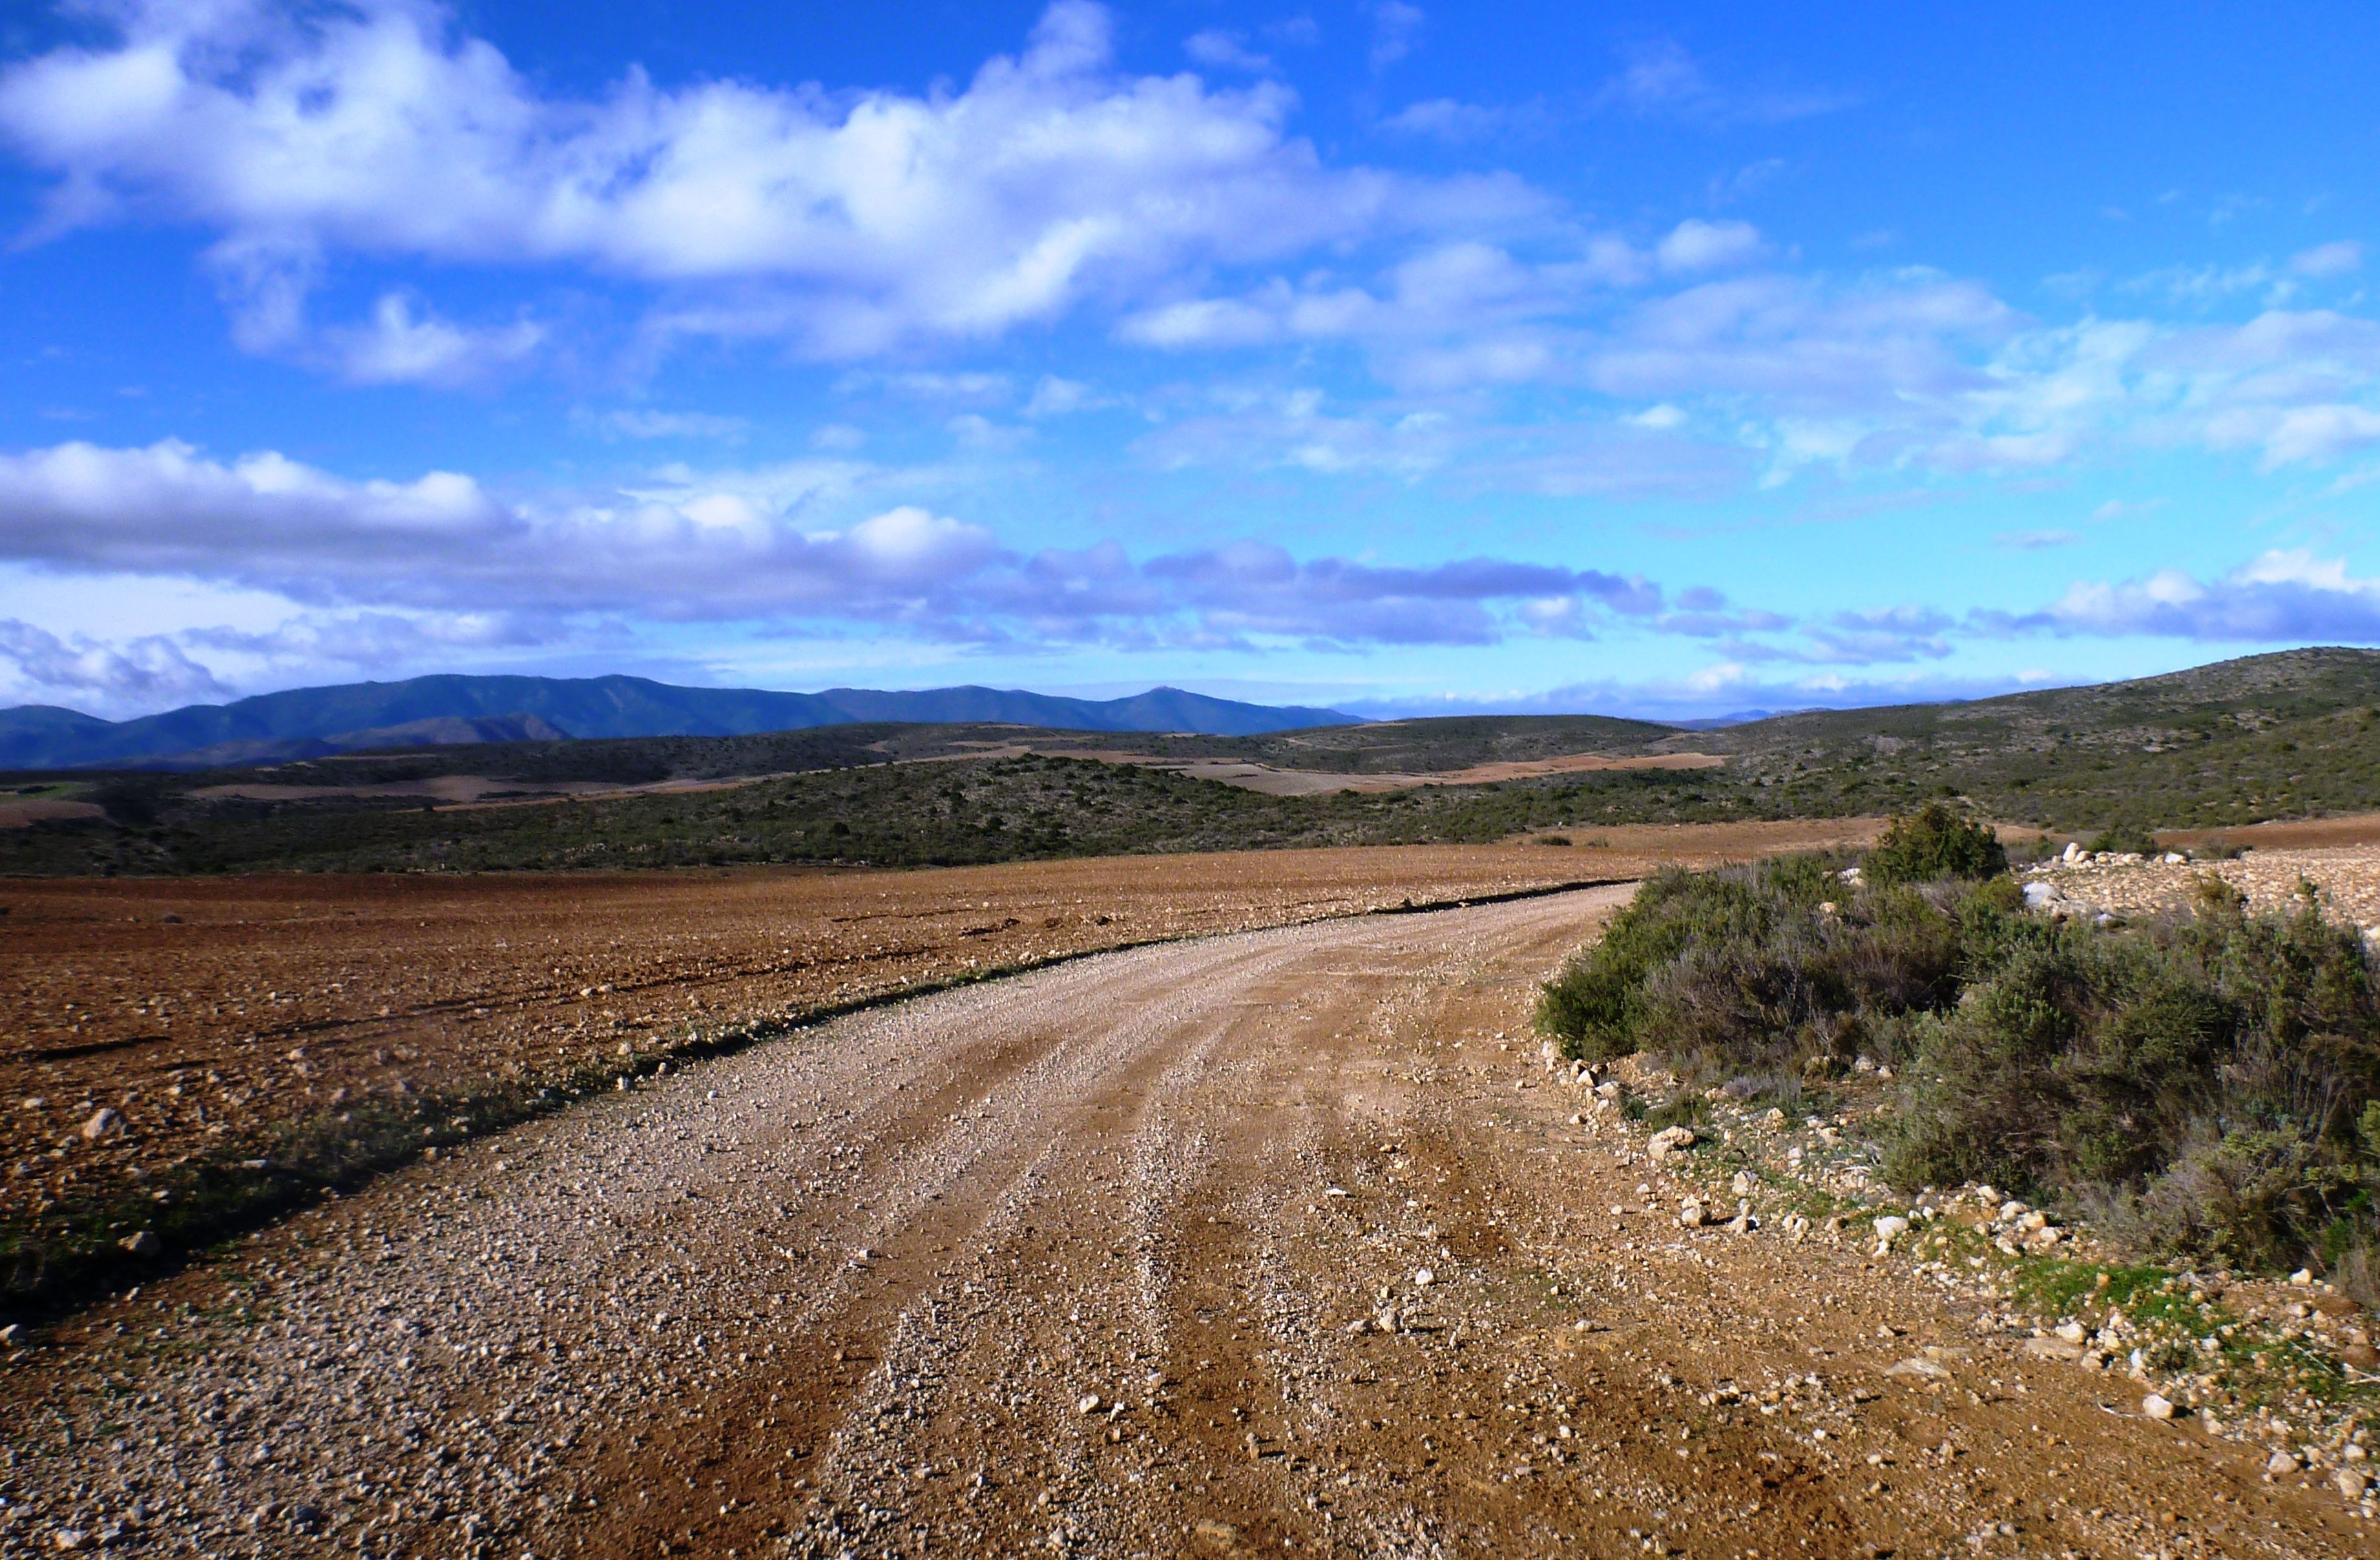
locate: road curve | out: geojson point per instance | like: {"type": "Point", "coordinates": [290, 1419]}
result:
{"type": "Point", "coordinates": [1091, 1261]}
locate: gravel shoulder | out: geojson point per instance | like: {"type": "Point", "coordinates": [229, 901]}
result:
{"type": "Point", "coordinates": [1124, 1256]}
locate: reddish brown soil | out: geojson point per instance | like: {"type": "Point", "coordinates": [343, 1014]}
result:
{"type": "Point", "coordinates": [24, 812]}
{"type": "Point", "coordinates": [1102, 1261]}
{"type": "Point", "coordinates": [1317, 782]}
{"type": "Point", "coordinates": [2356, 829]}
{"type": "Point", "coordinates": [203, 1010]}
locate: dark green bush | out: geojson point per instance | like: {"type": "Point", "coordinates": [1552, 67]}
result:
{"type": "Point", "coordinates": [1935, 842]}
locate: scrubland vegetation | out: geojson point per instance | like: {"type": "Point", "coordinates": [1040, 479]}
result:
{"type": "Point", "coordinates": [2207, 1084]}
{"type": "Point", "coordinates": [956, 813]}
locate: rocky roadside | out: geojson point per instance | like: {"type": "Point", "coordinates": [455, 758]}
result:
{"type": "Point", "coordinates": [2285, 1366]}
{"type": "Point", "coordinates": [2346, 879]}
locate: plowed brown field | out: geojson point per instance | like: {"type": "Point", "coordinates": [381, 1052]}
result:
{"type": "Point", "coordinates": [200, 1012]}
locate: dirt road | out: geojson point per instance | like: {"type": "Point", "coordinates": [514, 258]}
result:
{"type": "Point", "coordinates": [1077, 1262]}
{"type": "Point", "coordinates": [204, 1014]}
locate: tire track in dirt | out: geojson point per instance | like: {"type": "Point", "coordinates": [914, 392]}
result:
{"type": "Point", "coordinates": [1171, 1180]}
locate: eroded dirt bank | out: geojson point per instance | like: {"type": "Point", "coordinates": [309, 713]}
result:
{"type": "Point", "coordinates": [1095, 1261]}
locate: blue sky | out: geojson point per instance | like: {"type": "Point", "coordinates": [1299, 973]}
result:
{"type": "Point", "coordinates": [1674, 360]}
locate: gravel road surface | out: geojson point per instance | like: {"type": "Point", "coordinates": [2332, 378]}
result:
{"type": "Point", "coordinates": [1269, 1242]}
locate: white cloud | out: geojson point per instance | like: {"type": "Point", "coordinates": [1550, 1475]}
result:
{"type": "Point", "coordinates": [2210, 284]}
{"type": "Point", "coordinates": [1459, 123]}
{"type": "Point", "coordinates": [2281, 596]}
{"type": "Point", "coordinates": [1395, 25]}
{"type": "Point", "coordinates": [976, 387]}
{"type": "Point", "coordinates": [37, 666]}
{"type": "Point", "coordinates": [2296, 433]}
{"type": "Point", "coordinates": [642, 423]}
{"type": "Point", "coordinates": [2342, 257]}
{"type": "Point", "coordinates": [724, 547]}
{"type": "Point", "coordinates": [1887, 345]}
{"type": "Point", "coordinates": [397, 348]}
{"type": "Point", "coordinates": [1203, 322]}
{"type": "Point", "coordinates": [870, 217]}
{"type": "Point", "coordinates": [979, 432]}
{"type": "Point", "coordinates": [1448, 119]}
{"type": "Point", "coordinates": [1695, 244]}
{"type": "Point", "coordinates": [1661, 80]}
{"type": "Point", "coordinates": [1055, 397]}
{"type": "Point", "coordinates": [1221, 50]}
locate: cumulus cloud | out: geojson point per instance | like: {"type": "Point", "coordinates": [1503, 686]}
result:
{"type": "Point", "coordinates": [1907, 368]}
{"type": "Point", "coordinates": [1293, 430]}
{"type": "Point", "coordinates": [2290, 434]}
{"type": "Point", "coordinates": [869, 217]}
{"type": "Point", "coordinates": [1891, 634]}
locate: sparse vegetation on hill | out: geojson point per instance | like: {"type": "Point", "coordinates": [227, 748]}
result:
{"type": "Point", "coordinates": [912, 815]}
{"type": "Point", "coordinates": [2209, 1085]}
{"type": "Point", "coordinates": [2295, 735]}
{"type": "Point", "coordinates": [1422, 747]}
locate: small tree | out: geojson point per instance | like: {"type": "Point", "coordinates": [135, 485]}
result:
{"type": "Point", "coordinates": [1935, 842]}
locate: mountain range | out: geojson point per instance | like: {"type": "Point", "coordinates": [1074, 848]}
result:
{"type": "Point", "coordinates": [440, 710]}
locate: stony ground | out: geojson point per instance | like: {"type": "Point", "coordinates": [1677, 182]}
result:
{"type": "Point", "coordinates": [196, 1013]}
{"type": "Point", "coordinates": [1277, 1241]}
{"type": "Point", "coordinates": [2347, 878]}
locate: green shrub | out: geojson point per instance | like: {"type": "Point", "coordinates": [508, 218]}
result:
{"type": "Point", "coordinates": [1935, 842]}
{"type": "Point", "coordinates": [2209, 1085]}
{"type": "Point", "coordinates": [1757, 969]}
